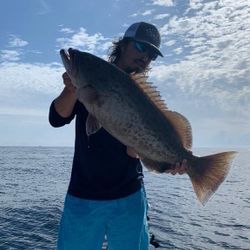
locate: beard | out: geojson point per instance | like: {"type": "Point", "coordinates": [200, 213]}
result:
{"type": "Point", "coordinates": [136, 69]}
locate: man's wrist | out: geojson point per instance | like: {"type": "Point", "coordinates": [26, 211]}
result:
{"type": "Point", "coordinates": [70, 91]}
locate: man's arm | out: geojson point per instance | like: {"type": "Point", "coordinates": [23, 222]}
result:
{"type": "Point", "coordinates": [61, 109]}
{"type": "Point", "coordinates": [65, 102]}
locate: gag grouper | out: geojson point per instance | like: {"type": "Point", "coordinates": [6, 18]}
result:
{"type": "Point", "coordinates": [131, 110]}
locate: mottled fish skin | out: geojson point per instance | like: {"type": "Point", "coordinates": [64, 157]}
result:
{"type": "Point", "coordinates": [132, 112]}
{"type": "Point", "coordinates": [126, 112]}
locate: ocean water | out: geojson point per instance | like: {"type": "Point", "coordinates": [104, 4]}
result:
{"type": "Point", "coordinates": [33, 183]}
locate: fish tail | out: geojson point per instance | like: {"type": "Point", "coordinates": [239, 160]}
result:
{"type": "Point", "coordinates": [208, 172]}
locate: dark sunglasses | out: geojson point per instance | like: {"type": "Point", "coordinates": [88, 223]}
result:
{"type": "Point", "coordinates": [143, 47]}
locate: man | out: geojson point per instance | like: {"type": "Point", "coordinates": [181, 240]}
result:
{"type": "Point", "coordinates": [105, 194]}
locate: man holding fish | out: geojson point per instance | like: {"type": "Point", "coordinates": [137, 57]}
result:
{"type": "Point", "coordinates": [106, 194]}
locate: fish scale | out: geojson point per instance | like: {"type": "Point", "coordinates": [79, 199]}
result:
{"type": "Point", "coordinates": [138, 135]}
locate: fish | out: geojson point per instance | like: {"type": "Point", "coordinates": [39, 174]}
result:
{"type": "Point", "coordinates": [132, 110]}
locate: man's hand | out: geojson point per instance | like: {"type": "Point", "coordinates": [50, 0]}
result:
{"type": "Point", "coordinates": [68, 83]}
{"type": "Point", "coordinates": [132, 153]}
{"type": "Point", "coordinates": [65, 102]}
{"type": "Point", "coordinates": [178, 168]}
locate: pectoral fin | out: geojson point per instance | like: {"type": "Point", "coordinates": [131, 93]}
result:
{"type": "Point", "coordinates": [92, 125]}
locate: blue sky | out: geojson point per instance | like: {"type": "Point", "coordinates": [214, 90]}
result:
{"type": "Point", "coordinates": [205, 72]}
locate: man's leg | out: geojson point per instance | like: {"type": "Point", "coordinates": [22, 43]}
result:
{"type": "Point", "coordinates": [82, 225]}
{"type": "Point", "coordinates": [127, 228]}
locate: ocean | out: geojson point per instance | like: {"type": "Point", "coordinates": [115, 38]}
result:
{"type": "Point", "coordinates": [34, 180]}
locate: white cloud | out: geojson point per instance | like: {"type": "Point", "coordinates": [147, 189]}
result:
{"type": "Point", "coordinates": [178, 51]}
{"type": "Point", "coordinates": [25, 76]}
{"type": "Point", "coordinates": [82, 40]}
{"type": "Point", "coordinates": [218, 89]}
{"type": "Point", "coordinates": [15, 41]}
{"type": "Point", "coordinates": [67, 30]}
{"type": "Point", "coordinates": [160, 16]}
{"type": "Point", "coordinates": [13, 55]}
{"type": "Point", "coordinates": [214, 66]}
{"type": "Point", "coordinates": [28, 87]}
{"type": "Point", "coordinates": [163, 2]}
{"type": "Point", "coordinates": [170, 42]}
{"type": "Point", "coordinates": [195, 4]}
{"type": "Point", "coordinates": [145, 13]}
{"type": "Point", "coordinates": [9, 55]}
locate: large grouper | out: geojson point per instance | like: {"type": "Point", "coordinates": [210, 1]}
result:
{"type": "Point", "coordinates": [132, 111]}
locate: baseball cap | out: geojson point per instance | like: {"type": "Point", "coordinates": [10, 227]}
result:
{"type": "Point", "coordinates": [146, 33]}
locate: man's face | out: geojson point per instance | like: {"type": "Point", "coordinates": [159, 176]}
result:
{"type": "Point", "coordinates": [132, 59]}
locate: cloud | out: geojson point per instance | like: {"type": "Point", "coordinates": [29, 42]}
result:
{"type": "Point", "coordinates": [170, 42]}
{"type": "Point", "coordinates": [13, 55]}
{"type": "Point", "coordinates": [178, 51]}
{"type": "Point", "coordinates": [67, 30]}
{"type": "Point", "coordinates": [160, 16]}
{"type": "Point", "coordinates": [217, 88]}
{"type": "Point", "coordinates": [145, 13]}
{"type": "Point", "coordinates": [166, 3]}
{"type": "Point", "coordinates": [212, 63]}
{"type": "Point", "coordinates": [95, 43]}
{"type": "Point", "coordinates": [9, 55]}
{"type": "Point", "coordinates": [15, 41]}
{"type": "Point", "coordinates": [28, 88]}
{"type": "Point", "coordinates": [195, 4]}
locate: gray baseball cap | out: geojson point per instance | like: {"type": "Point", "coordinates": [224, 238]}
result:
{"type": "Point", "coordinates": [146, 33]}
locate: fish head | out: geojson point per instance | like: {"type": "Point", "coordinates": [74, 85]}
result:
{"type": "Point", "coordinates": [86, 69]}
{"type": "Point", "coordinates": [74, 62]}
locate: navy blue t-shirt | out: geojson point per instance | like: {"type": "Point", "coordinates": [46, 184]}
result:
{"type": "Point", "coordinates": [102, 169]}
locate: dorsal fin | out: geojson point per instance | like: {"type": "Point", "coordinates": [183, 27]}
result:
{"type": "Point", "coordinates": [149, 89]}
{"type": "Point", "coordinates": [182, 127]}
{"type": "Point", "coordinates": [178, 121]}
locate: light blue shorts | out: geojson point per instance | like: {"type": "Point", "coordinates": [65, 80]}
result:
{"type": "Point", "coordinates": [84, 223]}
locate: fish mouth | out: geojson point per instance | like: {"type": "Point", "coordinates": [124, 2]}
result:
{"type": "Point", "coordinates": [66, 59]}
{"type": "Point", "coordinates": [71, 59]}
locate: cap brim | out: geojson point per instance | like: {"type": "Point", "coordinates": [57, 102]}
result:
{"type": "Point", "coordinates": [157, 51]}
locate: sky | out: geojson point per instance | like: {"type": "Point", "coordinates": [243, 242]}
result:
{"type": "Point", "coordinates": [204, 74]}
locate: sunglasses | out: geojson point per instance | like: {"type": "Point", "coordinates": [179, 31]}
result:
{"type": "Point", "coordinates": [143, 47]}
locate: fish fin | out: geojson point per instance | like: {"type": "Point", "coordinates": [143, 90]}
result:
{"type": "Point", "coordinates": [178, 121]}
{"type": "Point", "coordinates": [159, 167]}
{"type": "Point", "coordinates": [208, 172]}
{"type": "Point", "coordinates": [149, 90]}
{"type": "Point", "coordinates": [182, 126]}
{"type": "Point", "coordinates": [92, 125]}
{"type": "Point", "coordinates": [139, 77]}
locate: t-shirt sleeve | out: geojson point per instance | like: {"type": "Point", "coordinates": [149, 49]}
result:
{"type": "Point", "coordinates": [56, 120]}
